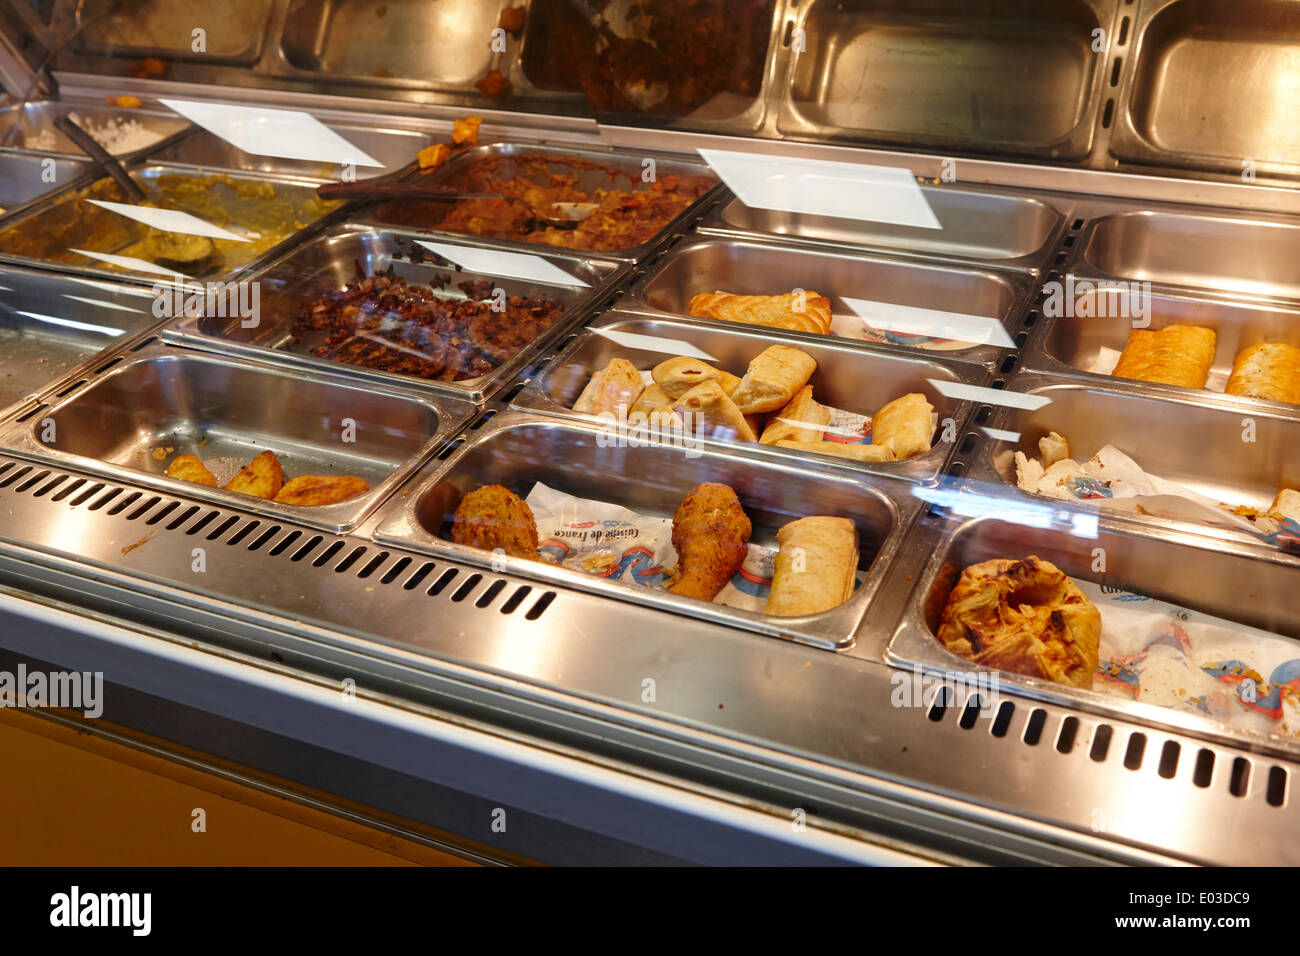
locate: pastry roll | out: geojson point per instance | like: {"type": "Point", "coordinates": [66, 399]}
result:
{"type": "Point", "coordinates": [1174, 355]}
{"type": "Point", "coordinates": [706, 408]}
{"type": "Point", "coordinates": [1269, 370]}
{"type": "Point", "coordinates": [772, 378]}
{"type": "Point", "coordinates": [1286, 504]}
{"type": "Point", "coordinates": [802, 408]}
{"type": "Point", "coordinates": [816, 567]}
{"type": "Point", "coordinates": [842, 450]}
{"type": "Point", "coordinates": [677, 376]}
{"type": "Point", "coordinates": [776, 311]}
{"type": "Point", "coordinates": [655, 408]}
{"type": "Point", "coordinates": [617, 385]}
{"type": "Point", "coordinates": [903, 426]}
{"type": "Point", "coordinates": [1027, 617]}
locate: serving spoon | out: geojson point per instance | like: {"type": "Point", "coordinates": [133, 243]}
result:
{"type": "Point", "coordinates": [381, 188]}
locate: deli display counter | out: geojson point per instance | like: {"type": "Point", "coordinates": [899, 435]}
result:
{"type": "Point", "coordinates": [751, 432]}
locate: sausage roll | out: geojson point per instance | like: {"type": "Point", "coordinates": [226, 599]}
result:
{"type": "Point", "coordinates": [841, 450]}
{"type": "Point", "coordinates": [903, 426]}
{"type": "Point", "coordinates": [617, 385]}
{"type": "Point", "coordinates": [1269, 370]}
{"type": "Point", "coordinates": [772, 378]}
{"type": "Point", "coordinates": [816, 568]}
{"type": "Point", "coordinates": [677, 376]}
{"type": "Point", "coordinates": [786, 424]}
{"type": "Point", "coordinates": [706, 408]}
{"type": "Point", "coordinates": [776, 311]}
{"type": "Point", "coordinates": [1174, 355]}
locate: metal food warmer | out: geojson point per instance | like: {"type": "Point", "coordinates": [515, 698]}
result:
{"type": "Point", "coordinates": [352, 655]}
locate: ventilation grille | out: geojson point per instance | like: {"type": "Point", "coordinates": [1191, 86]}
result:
{"type": "Point", "coordinates": [1136, 749]}
{"type": "Point", "coordinates": [345, 556]}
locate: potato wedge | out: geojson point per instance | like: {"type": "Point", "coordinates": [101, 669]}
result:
{"type": "Point", "coordinates": [313, 490]}
{"type": "Point", "coordinates": [262, 477]}
{"type": "Point", "coordinates": [191, 468]}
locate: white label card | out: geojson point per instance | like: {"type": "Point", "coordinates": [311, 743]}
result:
{"type": "Point", "coordinates": [285, 134]}
{"type": "Point", "coordinates": [510, 265]}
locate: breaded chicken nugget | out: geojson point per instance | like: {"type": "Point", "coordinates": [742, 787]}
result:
{"type": "Point", "coordinates": [711, 534]}
{"type": "Point", "coordinates": [312, 490]}
{"type": "Point", "coordinates": [262, 477]}
{"type": "Point", "coordinates": [495, 517]}
{"type": "Point", "coordinates": [191, 468]}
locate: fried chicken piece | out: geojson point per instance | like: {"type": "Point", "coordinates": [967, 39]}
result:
{"type": "Point", "coordinates": [191, 468]}
{"type": "Point", "coordinates": [494, 517]}
{"type": "Point", "coordinates": [711, 534]}
{"type": "Point", "coordinates": [493, 85]}
{"type": "Point", "coordinates": [262, 477]}
{"type": "Point", "coordinates": [314, 490]}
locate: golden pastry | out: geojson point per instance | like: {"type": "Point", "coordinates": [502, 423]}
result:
{"type": "Point", "coordinates": [191, 468]}
{"type": "Point", "coordinates": [617, 385]}
{"type": "Point", "coordinates": [772, 379]}
{"type": "Point", "coordinates": [802, 419]}
{"type": "Point", "coordinates": [654, 408]}
{"type": "Point", "coordinates": [707, 409]}
{"type": "Point", "coordinates": [842, 450]}
{"type": "Point", "coordinates": [262, 477]}
{"type": "Point", "coordinates": [677, 376]}
{"type": "Point", "coordinates": [803, 312]}
{"type": "Point", "coordinates": [816, 568]}
{"type": "Point", "coordinates": [1269, 370]}
{"type": "Point", "coordinates": [494, 517]}
{"type": "Point", "coordinates": [904, 426]}
{"type": "Point", "coordinates": [1027, 617]}
{"type": "Point", "coordinates": [315, 490]}
{"type": "Point", "coordinates": [1174, 355]}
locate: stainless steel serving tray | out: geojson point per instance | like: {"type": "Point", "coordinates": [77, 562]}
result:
{"type": "Point", "coordinates": [987, 76]}
{"type": "Point", "coordinates": [24, 178]}
{"type": "Point", "coordinates": [234, 30]}
{"type": "Point", "coordinates": [1234, 581]}
{"type": "Point", "coordinates": [1227, 254]}
{"type": "Point", "coordinates": [980, 224]}
{"type": "Point", "coordinates": [443, 46]}
{"type": "Point", "coordinates": [391, 146]}
{"type": "Point", "coordinates": [759, 268]}
{"type": "Point", "coordinates": [518, 450]}
{"type": "Point", "coordinates": [52, 326]}
{"type": "Point", "coordinates": [229, 410]}
{"type": "Point", "coordinates": [629, 165]}
{"type": "Point", "coordinates": [37, 119]}
{"type": "Point", "coordinates": [328, 263]}
{"type": "Point", "coordinates": [727, 112]}
{"type": "Point", "coordinates": [299, 192]}
{"type": "Point", "coordinates": [1228, 451]}
{"type": "Point", "coordinates": [1068, 345]}
{"type": "Point", "coordinates": [852, 379]}
{"type": "Point", "coordinates": [1233, 59]}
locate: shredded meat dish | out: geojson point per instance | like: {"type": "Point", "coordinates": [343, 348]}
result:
{"type": "Point", "coordinates": [385, 323]}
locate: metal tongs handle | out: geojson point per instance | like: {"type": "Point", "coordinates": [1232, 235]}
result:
{"type": "Point", "coordinates": [102, 157]}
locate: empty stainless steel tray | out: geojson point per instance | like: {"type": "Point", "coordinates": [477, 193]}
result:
{"type": "Point", "coordinates": [25, 178]}
{"type": "Point", "coordinates": [447, 44]}
{"type": "Point", "coordinates": [51, 325]}
{"type": "Point", "coordinates": [1230, 455]}
{"type": "Point", "coordinates": [987, 76]}
{"type": "Point", "coordinates": [593, 168]}
{"type": "Point", "coordinates": [329, 262]}
{"type": "Point", "coordinates": [1212, 86]}
{"type": "Point", "coordinates": [1071, 344]}
{"type": "Point", "coordinates": [36, 121]}
{"type": "Point", "coordinates": [1235, 582]}
{"type": "Point", "coordinates": [518, 450]}
{"type": "Point", "coordinates": [756, 268]}
{"type": "Point", "coordinates": [161, 402]}
{"type": "Point", "coordinates": [1216, 253]}
{"type": "Point", "coordinates": [233, 30]}
{"type": "Point", "coordinates": [993, 226]}
{"type": "Point", "coordinates": [851, 379]}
